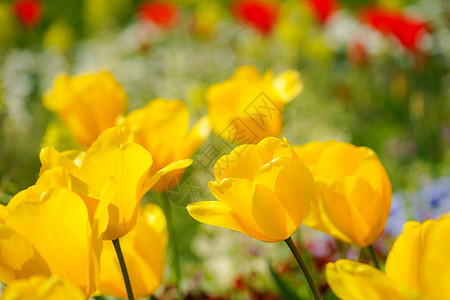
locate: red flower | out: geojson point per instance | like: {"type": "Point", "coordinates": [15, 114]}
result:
{"type": "Point", "coordinates": [259, 14]}
{"type": "Point", "coordinates": [408, 30]}
{"type": "Point", "coordinates": [28, 12]}
{"type": "Point", "coordinates": [164, 14]}
{"type": "Point", "coordinates": [323, 9]}
{"type": "Point", "coordinates": [357, 53]}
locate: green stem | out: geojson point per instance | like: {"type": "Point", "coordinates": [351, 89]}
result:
{"type": "Point", "coordinates": [373, 255]}
{"type": "Point", "coordinates": [341, 248]}
{"type": "Point", "coordinates": [304, 268]}
{"type": "Point", "coordinates": [174, 248]}
{"type": "Point", "coordinates": [123, 267]}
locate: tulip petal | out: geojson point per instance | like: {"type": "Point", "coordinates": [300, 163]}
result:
{"type": "Point", "coordinates": [269, 214]}
{"type": "Point", "coordinates": [236, 194]}
{"type": "Point", "coordinates": [243, 162]}
{"type": "Point", "coordinates": [50, 158]}
{"type": "Point", "coordinates": [288, 84]}
{"type": "Point", "coordinates": [87, 104]}
{"type": "Point", "coordinates": [405, 261]}
{"type": "Point", "coordinates": [172, 167]}
{"type": "Point", "coordinates": [42, 288]}
{"type": "Point", "coordinates": [127, 165]}
{"type": "Point", "coordinates": [294, 187]}
{"type": "Point", "coordinates": [436, 270]}
{"type": "Point", "coordinates": [59, 229]}
{"type": "Point", "coordinates": [357, 281]}
{"type": "Point", "coordinates": [144, 249]}
{"type": "Point", "coordinates": [339, 160]}
{"type": "Point", "coordinates": [161, 127]}
{"type": "Point", "coordinates": [341, 218]}
{"type": "Point", "coordinates": [111, 137]}
{"type": "Point", "coordinates": [309, 154]}
{"type": "Point", "coordinates": [18, 258]}
{"type": "Point", "coordinates": [195, 138]}
{"type": "Point", "coordinates": [218, 214]}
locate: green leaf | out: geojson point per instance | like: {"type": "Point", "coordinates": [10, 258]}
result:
{"type": "Point", "coordinates": [287, 292]}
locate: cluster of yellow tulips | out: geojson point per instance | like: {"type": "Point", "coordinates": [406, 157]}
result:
{"type": "Point", "coordinates": [55, 235]}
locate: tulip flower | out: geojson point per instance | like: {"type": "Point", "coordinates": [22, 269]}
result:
{"type": "Point", "coordinates": [51, 233]}
{"type": "Point", "coordinates": [264, 191]}
{"type": "Point", "coordinates": [353, 191]}
{"type": "Point", "coordinates": [145, 251]}
{"type": "Point", "coordinates": [28, 12]}
{"type": "Point", "coordinates": [323, 9]}
{"type": "Point", "coordinates": [417, 267]}
{"type": "Point", "coordinates": [42, 288]}
{"type": "Point", "coordinates": [408, 30]}
{"type": "Point", "coordinates": [247, 107]}
{"type": "Point", "coordinates": [87, 104]}
{"type": "Point", "coordinates": [113, 168]}
{"type": "Point", "coordinates": [262, 15]}
{"type": "Point", "coordinates": [162, 127]}
{"type": "Point", "coordinates": [163, 14]}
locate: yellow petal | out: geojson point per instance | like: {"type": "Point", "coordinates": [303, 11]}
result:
{"type": "Point", "coordinates": [247, 108]}
{"type": "Point", "coordinates": [42, 288]}
{"type": "Point", "coordinates": [151, 180]}
{"type": "Point", "coordinates": [111, 137]}
{"type": "Point", "coordinates": [87, 104]}
{"type": "Point", "coordinates": [243, 162]}
{"type": "Point", "coordinates": [417, 257]}
{"type": "Point", "coordinates": [289, 189]}
{"type": "Point", "coordinates": [338, 161]}
{"type": "Point", "coordinates": [127, 165]}
{"type": "Point", "coordinates": [161, 127]}
{"type": "Point", "coordinates": [404, 260]}
{"type": "Point", "coordinates": [51, 158]}
{"type": "Point", "coordinates": [436, 270]}
{"type": "Point", "coordinates": [351, 280]}
{"type": "Point", "coordinates": [195, 138]}
{"type": "Point", "coordinates": [294, 187]}
{"type": "Point", "coordinates": [18, 258]}
{"type": "Point", "coordinates": [268, 214]}
{"type": "Point", "coordinates": [217, 214]}
{"type": "Point", "coordinates": [309, 153]}
{"type": "Point", "coordinates": [236, 194]}
{"type": "Point", "coordinates": [288, 84]}
{"type": "Point", "coordinates": [58, 227]}
{"type": "Point", "coordinates": [145, 251]}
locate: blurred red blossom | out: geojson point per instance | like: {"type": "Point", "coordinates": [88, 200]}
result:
{"type": "Point", "coordinates": [259, 14]}
{"type": "Point", "coordinates": [357, 52]}
{"type": "Point", "coordinates": [28, 12]}
{"type": "Point", "coordinates": [323, 9]}
{"type": "Point", "coordinates": [163, 14]}
{"type": "Point", "coordinates": [408, 30]}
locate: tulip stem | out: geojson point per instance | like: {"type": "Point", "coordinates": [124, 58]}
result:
{"type": "Point", "coordinates": [373, 255]}
{"type": "Point", "coordinates": [174, 248]}
{"type": "Point", "coordinates": [303, 266]}
{"type": "Point", "coordinates": [123, 267]}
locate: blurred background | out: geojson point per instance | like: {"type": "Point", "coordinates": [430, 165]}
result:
{"type": "Point", "coordinates": [375, 74]}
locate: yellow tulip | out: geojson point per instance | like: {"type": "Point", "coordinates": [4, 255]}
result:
{"type": "Point", "coordinates": [162, 127]}
{"type": "Point", "coordinates": [353, 191]}
{"type": "Point", "coordinates": [51, 233]}
{"type": "Point", "coordinates": [144, 249]}
{"type": "Point", "coordinates": [42, 288]}
{"type": "Point", "coordinates": [264, 191]}
{"type": "Point", "coordinates": [113, 168]}
{"type": "Point", "coordinates": [87, 103]}
{"type": "Point", "coordinates": [417, 267]}
{"type": "Point", "coordinates": [249, 107]}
